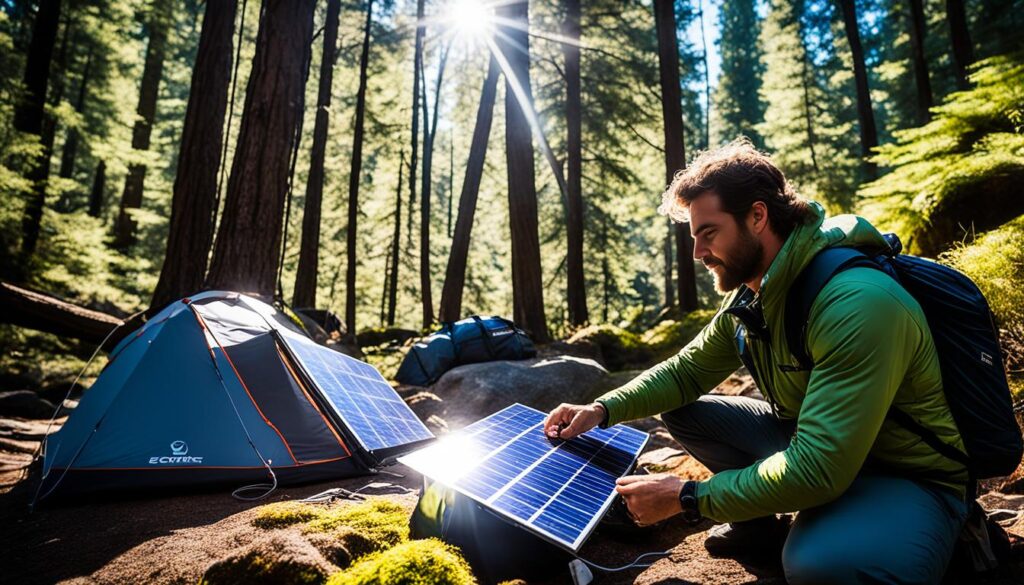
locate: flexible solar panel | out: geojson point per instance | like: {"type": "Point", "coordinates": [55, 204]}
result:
{"type": "Point", "coordinates": [557, 489]}
{"type": "Point", "coordinates": [368, 406]}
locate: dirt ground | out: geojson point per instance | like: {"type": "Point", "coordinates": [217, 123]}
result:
{"type": "Point", "coordinates": [168, 538]}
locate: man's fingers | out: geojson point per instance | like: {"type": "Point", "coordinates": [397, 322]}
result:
{"type": "Point", "coordinates": [559, 417]}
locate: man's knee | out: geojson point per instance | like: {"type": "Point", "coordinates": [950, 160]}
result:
{"type": "Point", "coordinates": [813, 563]}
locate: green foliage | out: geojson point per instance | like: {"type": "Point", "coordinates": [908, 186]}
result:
{"type": "Point", "coordinates": [995, 262]}
{"type": "Point", "coordinates": [738, 107]}
{"type": "Point", "coordinates": [972, 149]}
{"type": "Point", "coordinates": [417, 562]}
{"type": "Point", "coordinates": [809, 123]}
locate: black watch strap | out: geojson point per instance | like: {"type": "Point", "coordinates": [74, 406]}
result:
{"type": "Point", "coordinates": [688, 503]}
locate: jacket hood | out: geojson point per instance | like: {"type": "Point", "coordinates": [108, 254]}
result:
{"type": "Point", "coordinates": [803, 244]}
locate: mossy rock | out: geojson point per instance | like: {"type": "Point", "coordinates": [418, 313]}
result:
{"type": "Point", "coordinates": [618, 346]}
{"type": "Point", "coordinates": [383, 523]}
{"type": "Point", "coordinates": [669, 336]}
{"type": "Point", "coordinates": [417, 562]}
{"type": "Point", "coordinates": [282, 557]}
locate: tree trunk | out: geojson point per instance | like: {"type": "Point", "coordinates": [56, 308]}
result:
{"type": "Point", "coordinates": [417, 64]}
{"type": "Point", "coordinates": [707, 80]}
{"type": "Point", "coordinates": [249, 237]}
{"type": "Point", "coordinates": [28, 117]}
{"type": "Point", "coordinates": [451, 180]}
{"type": "Point", "coordinates": [868, 134]}
{"type": "Point", "coordinates": [305, 278]}
{"type": "Point", "coordinates": [131, 197]}
{"type": "Point", "coordinates": [805, 79]}
{"type": "Point", "coordinates": [70, 150]}
{"type": "Point", "coordinates": [429, 132]}
{"type": "Point", "coordinates": [963, 50]}
{"type": "Point", "coordinates": [353, 180]}
{"type": "Point", "coordinates": [527, 288]}
{"type": "Point", "coordinates": [396, 240]}
{"type": "Point", "coordinates": [670, 284]}
{"type": "Point", "coordinates": [920, 62]}
{"type": "Point", "coordinates": [99, 186]}
{"type": "Point", "coordinates": [455, 274]}
{"type": "Point", "coordinates": [576, 288]}
{"type": "Point", "coordinates": [43, 312]}
{"type": "Point", "coordinates": [675, 150]}
{"type": "Point", "coordinates": [195, 187]}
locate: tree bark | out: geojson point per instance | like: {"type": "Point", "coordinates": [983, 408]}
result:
{"type": "Point", "coordinates": [249, 238]}
{"type": "Point", "coordinates": [865, 115]}
{"type": "Point", "coordinates": [309, 249]}
{"type": "Point", "coordinates": [392, 281]}
{"type": "Point", "coordinates": [28, 118]}
{"type": "Point", "coordinates": [43, 312]}
{"type": "Point", "coordinates": [920, 62]}
{"type": "Point", "coordinates": [675, 149]}
{"type": "Point", "coordinates": [353, 180]}
{"type": "Point", "coordinates": [963, 50]}
{"type": "Point", "coordinates": [576, 288]}
{"type": "Point", "coordinates": [455, 274]}
{"type": "Point", "coordinates": [527, 287]}
{"type": "Point", "coordinates": [70, 151]}
{"type": "Point", "coordinates": [417, 65]}
{"type": "Point", "coordinates": [429, 131]}
{"type": "Point", "coordinates": [195, 187]}
{"type": "Point", "coordinates": [134, 184]}
{"type": "Point", "coordinates": [99, 186]}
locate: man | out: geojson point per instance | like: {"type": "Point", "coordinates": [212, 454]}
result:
{"type": "Point", "coordinates": [874, 502]}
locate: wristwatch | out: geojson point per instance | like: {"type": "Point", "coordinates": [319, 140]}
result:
{"type": "Point", "coordinates": [688, 502]}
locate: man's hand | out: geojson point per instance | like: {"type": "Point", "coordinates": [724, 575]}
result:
{"type": "Point", "coordinates": [651, 498]}
{"type": "Point", "coordinates": [569, 420]}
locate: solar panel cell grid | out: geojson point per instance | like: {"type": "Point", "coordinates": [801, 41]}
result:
{"type": "Point", "coordinates": [558, 489]}
{"type": "Point", "coordinates": [366, 403]}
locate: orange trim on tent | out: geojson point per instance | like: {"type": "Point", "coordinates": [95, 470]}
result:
{"type": "Point", "coordinates": [202, 323]}
{"type": "Point", "coordinates": [309, 398]}
{"type": "Point", "coordinates": [201, 467]}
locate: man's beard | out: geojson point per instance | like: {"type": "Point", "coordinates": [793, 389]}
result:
{"type": "Point", "coordinates": [741, 266]}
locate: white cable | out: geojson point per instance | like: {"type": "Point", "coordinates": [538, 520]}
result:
{"type": "Point", "coordinates": [634, 565]}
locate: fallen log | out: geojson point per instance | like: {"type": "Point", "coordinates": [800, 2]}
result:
{"type": "Point", "coordinates": [43, 312]}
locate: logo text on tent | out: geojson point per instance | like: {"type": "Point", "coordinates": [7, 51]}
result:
{"type": "Point", "coordinates": [179, 454]}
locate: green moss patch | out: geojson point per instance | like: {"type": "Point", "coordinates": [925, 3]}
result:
{"type": "Point", "coordinates": [417, 562]}
{"type": "Point", "coordinates": [669, 336]}
{"type": "Point", "coordinates": [281, 514]}
{"type": "Point", "coordinates": [618, 346]}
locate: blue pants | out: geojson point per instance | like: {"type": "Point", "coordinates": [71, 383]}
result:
{"type": "Point", "coordinates": [883, 529]}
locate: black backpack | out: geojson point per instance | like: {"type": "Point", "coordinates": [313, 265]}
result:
{"type": "Point", "coordinates": [468, 341]}
{"type": "Point", "coordinates": [966, 339]}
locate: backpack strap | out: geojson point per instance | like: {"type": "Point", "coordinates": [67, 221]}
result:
{"type": "Point", "coordinates": [808, 284]}
{"type": "Point", "coordinates": [485, 336]}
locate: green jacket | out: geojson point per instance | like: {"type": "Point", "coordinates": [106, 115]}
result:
{"type": "Point", "coordinates": [871, 347]}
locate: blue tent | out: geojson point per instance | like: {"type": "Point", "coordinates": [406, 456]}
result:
{"type": "Point", "coordinates": [207, 392]}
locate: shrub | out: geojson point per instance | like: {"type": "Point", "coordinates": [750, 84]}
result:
{"type": "Point", "coordinates": [962, 169]}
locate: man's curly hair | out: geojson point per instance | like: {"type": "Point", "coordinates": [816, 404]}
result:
{"type": "Point", "coordinates": [740, 175]}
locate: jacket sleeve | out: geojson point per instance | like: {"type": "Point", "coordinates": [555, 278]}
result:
{"type": "Point", "coordinates": [862, 339]}
{"type": "Point", "coordinates": [700, 366]}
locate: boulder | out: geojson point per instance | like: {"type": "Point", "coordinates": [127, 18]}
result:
{"type": "Point", "coordinates": [473, 391]}
{"type": "Point", "coordinates": [25, 404]}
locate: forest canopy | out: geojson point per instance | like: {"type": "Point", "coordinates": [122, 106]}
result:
{"type": "Point", "coordinates": [431, 165]}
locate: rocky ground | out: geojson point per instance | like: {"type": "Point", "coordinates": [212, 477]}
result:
{"type": "Point", "coordinates": [178, 538]}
